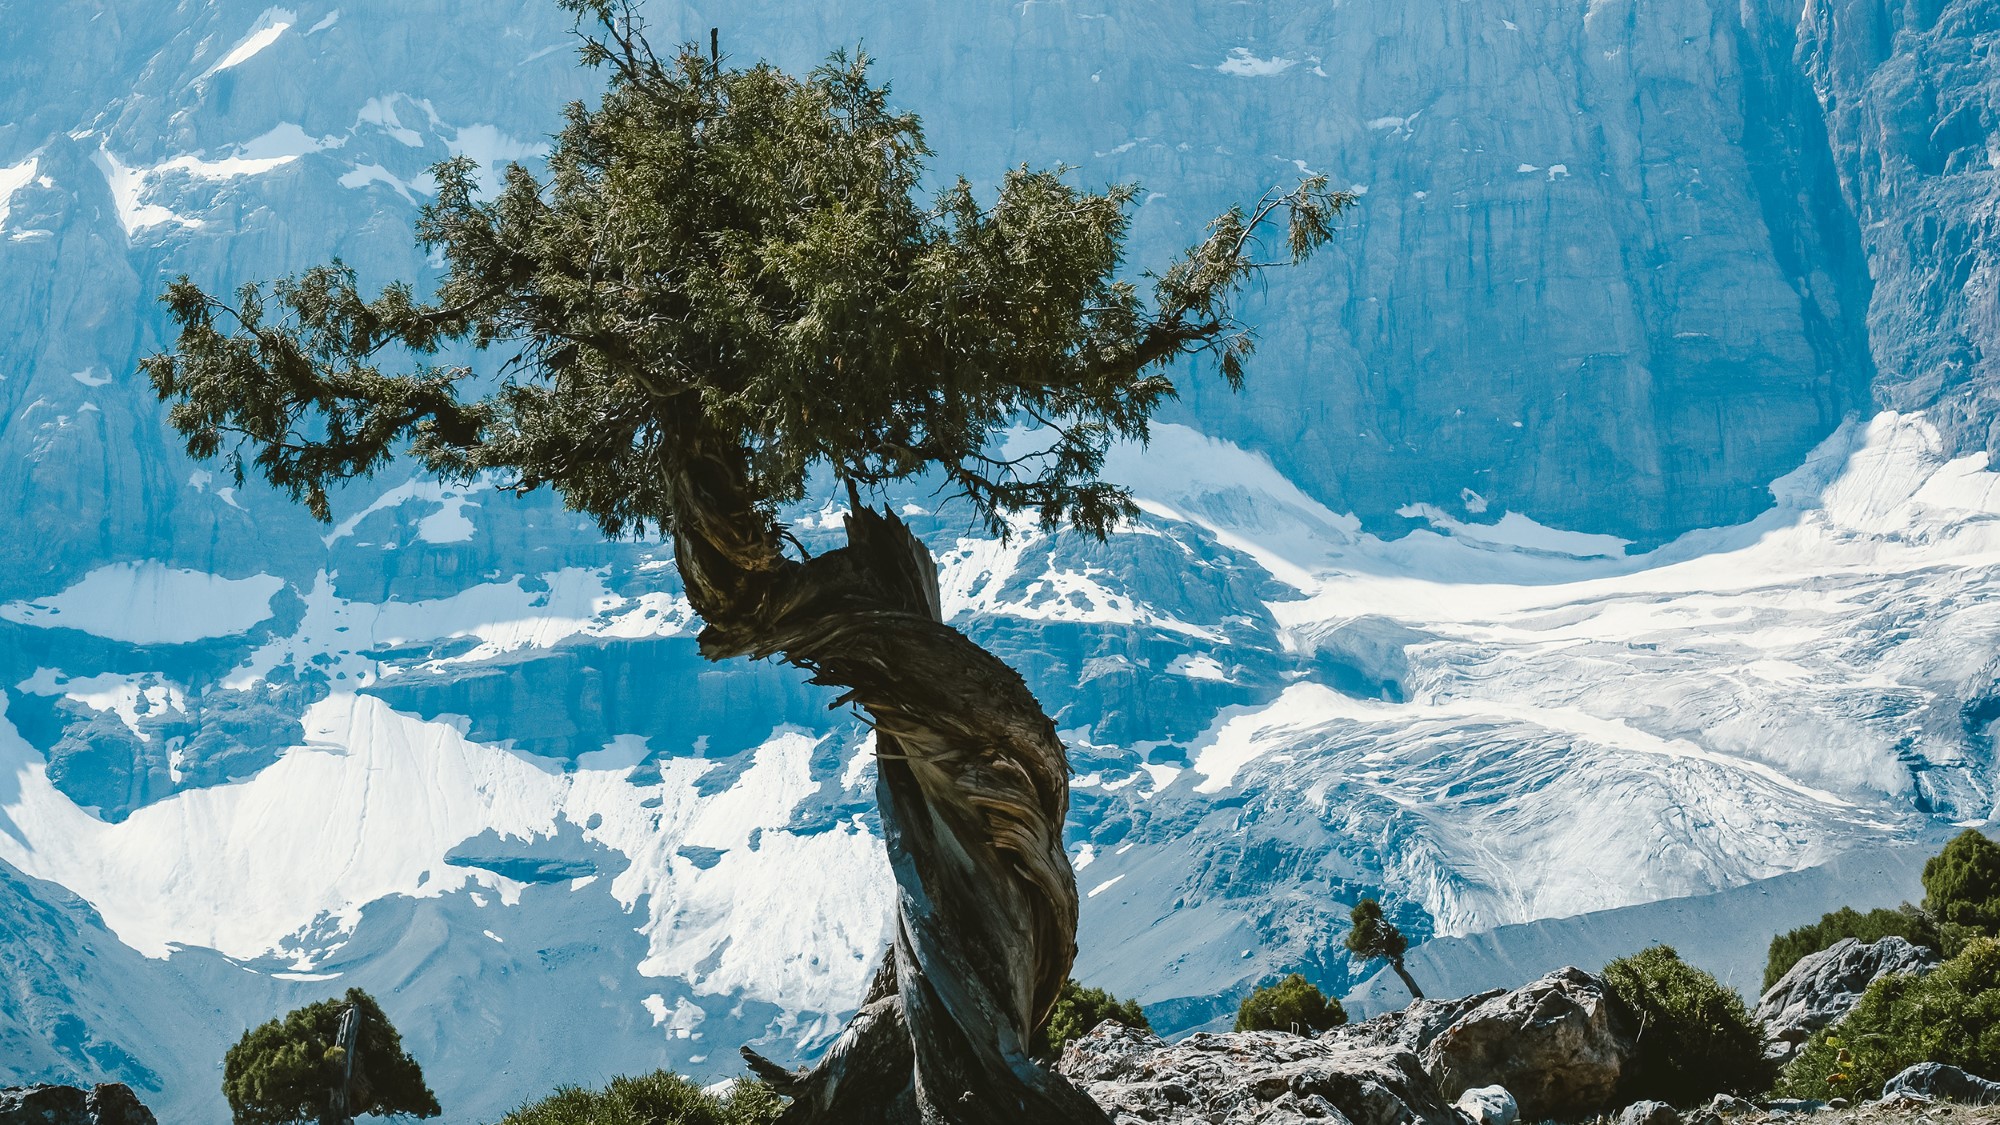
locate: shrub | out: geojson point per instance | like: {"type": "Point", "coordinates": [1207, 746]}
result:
{"type": "Point", "coordinates": [1293, 1005]}
{"type": "Point", "coordinates": [1950, 1015]}
{"type": "Point", "coordinates": [659, 1098]}
{"type": "Point", "coordinates": [286, 1071]}
{"type": "Point", "coordinates": [1905, 921]}
{"type": "Point", "coordinates": [1962, 884]}
{"type": "Point", "coordinates": [1695, 1037]}
{"type": "Point", "coordinates": [1077, 1011]}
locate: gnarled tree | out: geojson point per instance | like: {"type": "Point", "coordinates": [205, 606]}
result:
{"type": "Point", "coordinates": [730, 281]}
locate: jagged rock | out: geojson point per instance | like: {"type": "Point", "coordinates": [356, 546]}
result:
{"type": "Point", "coordinates": [1823, 987]}
{"type": "Point", "coordinates": [43, 1105]}
{"type": "Point", "coordinates": [1489, 1105]}
{"type": "Point", "coordinates": [1938, 1082]}
{"type": "Point", "coordinates": [1251, 1078]}
{"type": "Point", "coordinates": [1555, 1043]}
{"type": "Point", "coordinates": [109, 1104]}
{"type": "Point", "coordinates": [1649, 1113]}
{"type": "Point", "coordinates": [1414, 1027]}
{"type": "Point", "coordinates": [1786, 1107]}
{"type": "Point", "coordinates": [114, 1103]}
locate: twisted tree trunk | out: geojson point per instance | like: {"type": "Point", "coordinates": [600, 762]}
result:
{"type": "Point", "coordinates": [973, 785]}
{"type": "Point", "coordinates": [1409, 981]}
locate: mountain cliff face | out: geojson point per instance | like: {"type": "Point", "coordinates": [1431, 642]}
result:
{"type": "Point", "coordinates": [1557, 559]}
{"type": "Point", "coordinates": [1911, 93]}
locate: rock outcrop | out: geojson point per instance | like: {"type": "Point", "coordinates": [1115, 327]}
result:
{"type": "Point", "coordinates": [109, 1104]}
{"type": "Point", "coordinates": [1556, 1043]}
{"type": "Point", "coordinates": [1823, 987]}
{"type": "Point", "coordinates": [1911, 105]}
{"type": "Point", "coordinates": [1251, 1078]}
{"type": "Point", "coordinates": [1414, 1027]}
{"type": "Point", "coordinates": [1938, 1082]}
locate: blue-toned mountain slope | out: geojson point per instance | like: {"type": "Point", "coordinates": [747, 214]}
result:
{"type": "Point", "coordinates": [1557, 559]}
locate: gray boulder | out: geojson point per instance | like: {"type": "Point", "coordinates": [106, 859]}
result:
{"type": "Point", "coordinates": [1649, 1113]}
{"type": "Point", "coordinates": [1938, 1082]}
{"type": "Point", "coordinates": [1729, 1105]}
{"type": "Point", "coordinates": [1823, 987]}
{"type": "Point", "coordinates": [1489, 1105]}
{"type": "Point", "coordinates": [1411, 1028]}
{"type": "Point", "coordinates": [109, 1104]}
{"type": "Point", "coordinates": [1251, 1078]}
{"type": "Point", "coordinates": [1556, 1043]}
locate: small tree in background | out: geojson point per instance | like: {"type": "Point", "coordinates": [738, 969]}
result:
{"type": "Point", "coordinates": [1078, 1010]}
{"type": "Point", "coordinates": [1695, 1037]}
{"type": "Point", "coordinates": [1293, 1004]}
{"type": "Point", "coordinates": [325, 1063]}
{"type": "Point", "coordinates": [1962, 889]}
{"type": "Point", "coordinates": [1374, 936]}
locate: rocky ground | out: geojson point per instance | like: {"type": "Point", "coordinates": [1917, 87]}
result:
{"type": "Point", "coordinates": [1870, 1113]}
{"type": "Point", "coordinates": [1552, 1050]}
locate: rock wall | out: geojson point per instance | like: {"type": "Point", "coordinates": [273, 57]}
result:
{"type": "Point", "coordinates": [1911, 97]}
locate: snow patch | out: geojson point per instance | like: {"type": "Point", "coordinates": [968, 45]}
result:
{"type": "Point", "coordinates": [365, 174]}
{"type": "Point", "coordinates": [13, 179]}
{"type": "Point", "coordinates": [269, 26]}
{"type": "Point", "coordinates": [390, 796]}
{"type": "Point", "coordinates": [381, 113]}
{"type": "Point", "coordinates": [1517, 532]}
{"type": "Point", "coordinates": [127, 696]}
{"type": "Point", "coordinates": [148, 603]}
{"type": "Point", "coordinates": [128, 187]}
{"type": "Point", "coordinates": [1197, 666]}
{"type": "Point", "coordinates": [1246, 65]}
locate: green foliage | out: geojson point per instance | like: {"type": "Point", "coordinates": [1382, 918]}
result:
{"type": "Point", "coordinates": [287, 1070]}
{"type": "Point", "coordinates": [1950, 1015]}
{"type": "Point", "coordinates": [1695, 1037]}
{"type": "Point", "coordinates": [1293, 1004]}
{"type": "Point", "coordinates": [1373, 936]}
{"type": "Point", "coordinates": [731, 270]}
{"type": "Point", "coordinates": [1962, 885]}
{"type": "Point", "coordinates": [1905, 921]}
{"type": "Point", "coordinates": [660, 1098]}
{"type": "Point", "coordinates": [1077, 1011]}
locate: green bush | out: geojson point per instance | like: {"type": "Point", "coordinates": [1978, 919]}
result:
{"type": "Point", "coordinates": [1962, 885]}
{"type": "Point", "coordinates": [1905, 921]}
{"type": "Point", "coordinates": [1949, 1015]}
{"type": "Point", "coordinates": [1077, 1011]}
{"type": "Point", "coordinates": [1293, 1005]}
{"type": "Point", "coordinates": [659, 1098]}
{"type": "Point", "coordinates": [1695, 1037]}
{"type": "Point", "coordinates": [285, 1072]}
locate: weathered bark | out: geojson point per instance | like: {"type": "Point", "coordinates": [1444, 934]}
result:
{"type": "Point", "coordinates": [973, 785]}
{"type": "Point", "coordinates": [1409, 981]}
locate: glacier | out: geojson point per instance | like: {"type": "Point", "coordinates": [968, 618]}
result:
{"type": "Point", "coordinates": [1603, 546]}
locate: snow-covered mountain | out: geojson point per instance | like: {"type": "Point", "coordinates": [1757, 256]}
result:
{"type": "Point", "coordinates": [1609, 521]}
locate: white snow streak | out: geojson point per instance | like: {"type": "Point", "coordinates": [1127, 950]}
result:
{"type": "Point", "coordinates": [148, 603]}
